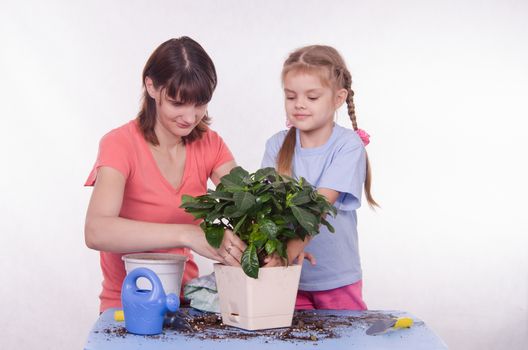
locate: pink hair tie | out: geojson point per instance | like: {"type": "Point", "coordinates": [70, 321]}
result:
{"type": "Point", "coordinates": [363, 136]}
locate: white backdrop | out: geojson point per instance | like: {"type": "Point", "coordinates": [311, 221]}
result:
{"type": "Point", "coordinates": [440, 85]}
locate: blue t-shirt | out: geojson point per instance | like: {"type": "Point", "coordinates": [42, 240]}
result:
{"type": "Point", "coordinates": [340, 165]}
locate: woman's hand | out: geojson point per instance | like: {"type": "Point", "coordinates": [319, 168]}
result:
{"type": "Point", "coordinates": [229, 253]}
{"type": "Point", "coordinates": [231, 249]}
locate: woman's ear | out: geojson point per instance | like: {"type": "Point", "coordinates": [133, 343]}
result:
{"type": "Point", "coordinates": [341, 96]}
{"type": "Point", "coordinates": [151, 90]}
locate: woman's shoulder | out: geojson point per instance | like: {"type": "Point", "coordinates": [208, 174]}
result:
{"type": "Point", "coordinates": [209, 138]}
{"type": "Point", "coordinates": [123, 132]}
{"type": "Point", "coordinates": [122, 136]}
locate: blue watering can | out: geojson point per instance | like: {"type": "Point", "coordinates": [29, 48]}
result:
{"type": "Point", "coordinates": [145, 309]}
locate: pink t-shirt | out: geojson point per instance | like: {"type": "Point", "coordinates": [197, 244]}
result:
{"type": "Point", "coordinates": [148, 196]}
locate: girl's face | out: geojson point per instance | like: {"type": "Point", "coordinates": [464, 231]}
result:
{"type": "Point", "coordinates": [174, 117]}
{"type": "Point", "coordinates": [310, 105]}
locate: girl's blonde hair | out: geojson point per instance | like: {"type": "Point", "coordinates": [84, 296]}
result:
{"type": "Point", "coordinates": [326, 62]}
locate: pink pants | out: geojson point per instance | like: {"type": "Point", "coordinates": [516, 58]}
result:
{"type": "Point", "coordinates": [343, 298]}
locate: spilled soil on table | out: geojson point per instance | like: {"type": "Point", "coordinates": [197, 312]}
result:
{"type": "Point", "coordinates": [306, 327]}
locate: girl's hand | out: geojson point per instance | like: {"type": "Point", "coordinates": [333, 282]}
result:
{"type": "Point", "coordinates": [229, 253]}
{"type": "Point", "coordinates": [296, 253]}
{"type": "Point", "coordinates": [273, 260]}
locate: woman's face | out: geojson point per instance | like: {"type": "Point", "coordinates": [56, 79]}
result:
{"type": "Point", "coordinates": [174, 117]}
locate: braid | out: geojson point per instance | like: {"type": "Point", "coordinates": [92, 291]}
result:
{"type": "Point", "coordinates": [350, 98]}
{"type": "Point", "coordinates": [347, 80]}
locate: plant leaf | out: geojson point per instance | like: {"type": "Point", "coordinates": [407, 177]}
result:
{"type": "Point", "coordinates": [264, 198]}
{"type": "Point", "coordinates": [239, 172]}
{"type": "Point", "coordinates": [244, 201]}
{"type": "Point", "coordinates": [214, 235]}
{"type": "Point", "coordinates": [232, 182]}
{"type": "Point", "coordinates": [306, 219]}
{"type": "Point", "coordinates": [287, 233]}
{"type": "Point", "coordinates": [250, 263]}
{"type": "Point", "coordinates": [198, 205]}
{"type": "Point", "coordinates": [271, 246]}
{"type": "Point", "coordinates": [257, 237]}
{"type": "Point", "coordinates": [227, 196]}
{"type": "Point", "coordinates": [328, 225]}
{"type": "Point", "coordinates": [263, 173]}
{"type": "Point", "coordinates": [188, 199]}
{"type": "Point", "coordinates": [198, 214]}
{"type": "Point", "coordinates": [232, 212]}
{"type": "Point", "coordinates": [239, 223]}
{"type": "Point", "coordinates": [302, 197]}
{"type": "Point", "coordinates": [269, 228]}
{"type": "Point", "coordinates": [212, 216]}
{"type": "Point", "coordinates": [281, 250]}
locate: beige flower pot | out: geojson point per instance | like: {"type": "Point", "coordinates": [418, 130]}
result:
{"type": "Point", "coordinates": [265, 302]}
{"type": "Point", "coordinates": [168, 267]}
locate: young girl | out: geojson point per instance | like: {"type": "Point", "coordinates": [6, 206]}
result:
{"type": "Point", "coordinates": [333, 159]}
{"type": "Point", "coordinates": [145, 166]}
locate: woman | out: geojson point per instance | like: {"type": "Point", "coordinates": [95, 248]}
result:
{"type": "Point", "coordinates": [145, 166]}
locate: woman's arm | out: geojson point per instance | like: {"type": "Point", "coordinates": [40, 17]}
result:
{"type": "Point", "coordinates": [106, 231]}
{"type": "Point", "coordinates": [222, 170]}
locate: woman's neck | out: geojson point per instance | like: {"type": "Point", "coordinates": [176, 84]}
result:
{"type": "Point", "coordinates": [168, 142]}
{"type": "Point", "coordinates": [317, 137]}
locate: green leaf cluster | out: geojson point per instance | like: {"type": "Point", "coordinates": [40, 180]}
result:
{"type": "Point", "coordinates": [265, 209]}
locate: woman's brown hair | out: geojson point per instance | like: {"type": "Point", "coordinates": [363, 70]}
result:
{"type": "Point", "coordinates": [184, 72]}
{"type": "Point", "coordinates": [330, 66]}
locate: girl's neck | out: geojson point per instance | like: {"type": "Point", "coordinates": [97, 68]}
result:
{"type": "Point", "coordinates": [317, 137]}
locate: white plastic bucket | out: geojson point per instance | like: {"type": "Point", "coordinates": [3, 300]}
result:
{"type": "Point", "coordinates": [168, 267]}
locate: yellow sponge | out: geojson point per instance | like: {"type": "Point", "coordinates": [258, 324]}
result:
{"type": "Point", "coordinates": [403, 322]}
{"type": "Point", "coordinates": [119, 315]}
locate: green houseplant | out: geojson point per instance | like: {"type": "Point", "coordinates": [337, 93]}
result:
{"type": "Point", "coordinates": [265, 209]}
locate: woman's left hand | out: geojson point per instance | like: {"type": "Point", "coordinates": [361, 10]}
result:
{"type": "Point", "coordinates": [231, 249]}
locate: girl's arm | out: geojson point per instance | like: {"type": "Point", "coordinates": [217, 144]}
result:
{"type": "Point", "coordinates": [106, 231]}
{"type": "Point", "coordinates": [331, 195]}
{"type": "Point", "coordinates": [295, 249]}
{"type": "Point", "coordinates": [296, 246]}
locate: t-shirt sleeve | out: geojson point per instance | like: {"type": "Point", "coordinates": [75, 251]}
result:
{"type": "Point", "coordinates": [346, 174]}
{"type": "Point", "coordinates": [273, 146]}
{"type": "Point", "coordinates": [218, 153]}
{"type": "Point", "coordinates": [114, 152]}
{"type": "Point", "coordinates": [270, 154]}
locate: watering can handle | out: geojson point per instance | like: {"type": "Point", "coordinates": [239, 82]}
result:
{"type": "Point", "coordinates": [130, 283]}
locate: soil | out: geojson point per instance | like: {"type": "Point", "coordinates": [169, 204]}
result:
{"type": "Point", "coordinates": [306, 327]}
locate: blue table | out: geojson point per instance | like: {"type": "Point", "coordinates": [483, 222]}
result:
{"type": "Point", "coordinates": [341, 330]}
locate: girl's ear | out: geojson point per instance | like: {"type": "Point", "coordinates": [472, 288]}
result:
{"type": "Point", "coordinates": [151, 90]}
{"type": "Point", "coordinates": [341, 96]}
